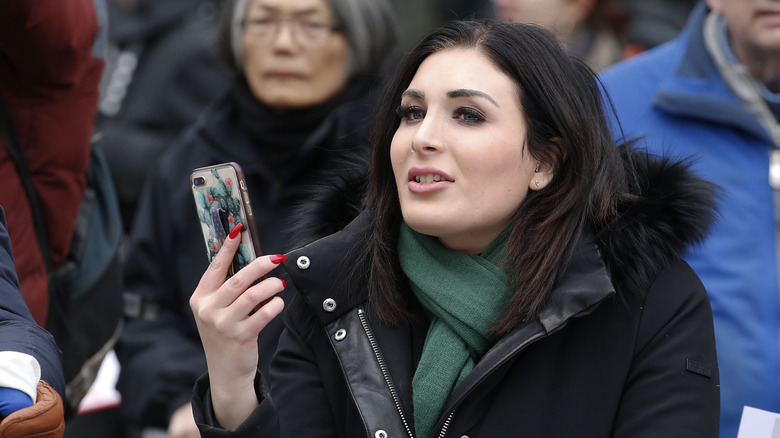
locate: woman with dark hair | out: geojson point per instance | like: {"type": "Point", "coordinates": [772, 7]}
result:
{"type": "Point", "coordinates": [514, 272]}
{"type": "Point", "coordinates": [296, 118]}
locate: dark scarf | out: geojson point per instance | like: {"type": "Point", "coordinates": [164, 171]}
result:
{"type": "Point", "coordinates": [281, 137]}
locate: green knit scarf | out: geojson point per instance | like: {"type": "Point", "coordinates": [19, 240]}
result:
{"type": "Point", "coordinates": [465, 296]}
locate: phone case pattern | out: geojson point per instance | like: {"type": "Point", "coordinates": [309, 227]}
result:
{"type": "Point", "coordinates": [219, 210]}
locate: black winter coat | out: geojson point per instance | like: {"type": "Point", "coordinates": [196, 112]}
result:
{"type": "Point", "coordinates": [623, 347]}
{"type": "Point", "coordinates": [159, 349]}
{"type": "Point", "coordinates": [162, 72]}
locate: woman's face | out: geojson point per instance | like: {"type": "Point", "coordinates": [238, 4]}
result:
{"type": "Point", "coordinates": [459, 155]}
{"type": "Point", "coordinates": [292, 58]}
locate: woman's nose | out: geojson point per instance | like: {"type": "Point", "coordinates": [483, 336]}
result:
{"type": "Point", "coordinates": [285, 35]}
{"type": "Point", "coordinates": [428, 137]}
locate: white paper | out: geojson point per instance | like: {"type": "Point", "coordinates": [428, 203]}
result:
{"type": "Point", "coordinates": [757, 423]}
{"type": "Point", "coordinates": [103, 393]}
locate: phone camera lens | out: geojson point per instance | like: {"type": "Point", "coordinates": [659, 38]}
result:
{"type": "Point", "coordinates": [199, 181]}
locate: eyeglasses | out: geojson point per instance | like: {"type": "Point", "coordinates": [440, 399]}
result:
{"type": "Point", "coordinates": [305, 31]}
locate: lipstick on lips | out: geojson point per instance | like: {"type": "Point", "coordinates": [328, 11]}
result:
{"type": "Point", "coordinates": [424, 180]}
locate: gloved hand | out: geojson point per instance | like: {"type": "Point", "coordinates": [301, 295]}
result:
{"type": "Point", "coordinates": [44, 419]}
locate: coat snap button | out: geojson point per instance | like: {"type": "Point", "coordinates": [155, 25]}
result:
{"type": "Point", "coordinates": [329, 305]}
{"type": "Point", "coordinates": [303, 262]}
{"type": "Point", "coordinates": [340, 335]}
{"type": "Point", "coordinates": [380, 434]}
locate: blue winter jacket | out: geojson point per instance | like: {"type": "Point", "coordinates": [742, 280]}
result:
{"type": "Point", "coordinates": [18, 330]}
{"type": "Point", "coordinates": [675, 98]}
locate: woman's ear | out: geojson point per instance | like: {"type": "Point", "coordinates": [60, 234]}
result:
{"type": "Point", "coordinates": [543, 174]}
{"type": "Point", "coordinates": [545, 171]}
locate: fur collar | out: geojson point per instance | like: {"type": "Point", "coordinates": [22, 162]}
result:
{"type": "Point", "coordinates": [674, 210]}
{"type": "Point", "coordinates": [335, 201]}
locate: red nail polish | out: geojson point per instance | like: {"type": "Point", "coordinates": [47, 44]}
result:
{"type": "Point", "coordinates": [284, 283]}
{"type": "Point", "coordinates": [237, 229]}
{"type": "Point", "coordinates": [278, 258]}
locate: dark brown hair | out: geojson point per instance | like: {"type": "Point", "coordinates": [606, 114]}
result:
{"type": "Point", "coordinates": [566, 127]}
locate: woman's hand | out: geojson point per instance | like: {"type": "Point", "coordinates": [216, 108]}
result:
{"type": "Point", "coordinates": [230, 314]}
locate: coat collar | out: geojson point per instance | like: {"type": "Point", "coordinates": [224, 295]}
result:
{"type": "Point", "coordinates": [583, 286]}
{"type": "Point", "coordinates": [697, 89]}
{"type": "Point", "coordinates": [317, 270]}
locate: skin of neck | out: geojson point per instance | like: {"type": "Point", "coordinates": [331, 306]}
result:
{"type": "Point", "coordinates": [763, 64]}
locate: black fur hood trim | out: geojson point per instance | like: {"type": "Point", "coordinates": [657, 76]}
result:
{"type": "Point", "coordinates": [673, 211]}
{"type": "Point", "coordinates": [335, 200]}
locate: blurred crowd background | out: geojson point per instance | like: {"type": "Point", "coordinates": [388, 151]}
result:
{"type": "Point", "coordinates": [162, 71]}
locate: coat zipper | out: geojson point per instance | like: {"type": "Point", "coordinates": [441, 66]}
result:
{"type": "Point", "coordinates": [386, 374]}
{"type": "Point", "coordinates": [446, 424]}
{"type": "Point", "coordinates": [383, 367]}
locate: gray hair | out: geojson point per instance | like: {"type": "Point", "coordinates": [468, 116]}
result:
{"type": "Point", "coordinates": [369, 26]}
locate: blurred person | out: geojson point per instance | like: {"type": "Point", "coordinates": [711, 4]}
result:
{"type": "Point", "coordinates": [594, 30]}
{"type": "Point", "coordinates": [51, 61]}
{"type": "Point", "coordinates": [654, 22]}
{"type": "Point", "coordinates": [162, 72]}
{"type": "Point", "coordinates": [714, 93]}
{"type": "Point", "coordinates": [295, 118]}
{"type": "Point", "coordinates": [515, 273]}
{"type": "Point", "coordinates": [448, 10]}
{"type": "Point", "coordinates": [49, 76]}
{"type": "Point", "coordinates": [422, 16]}
{"type": "Point", "coordinates": [31, 379]}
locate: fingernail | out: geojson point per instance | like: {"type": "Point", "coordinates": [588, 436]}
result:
{"type": "Point", "coordinates": [278, 258]}
{"type": "Point", "coordinates": [236, 229]}
{"type": "Point", "coordinates": [284, 283]}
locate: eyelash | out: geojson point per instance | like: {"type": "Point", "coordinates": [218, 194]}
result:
{"type": "Point", "coordinates": [470, 112]}
{"type": "Point", "coordinates": [403, 112]}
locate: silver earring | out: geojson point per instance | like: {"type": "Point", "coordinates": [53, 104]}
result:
{"type": "Point", "coordinates": [537, 169]}
{"type": "Point", "coordinates": [537, 183]}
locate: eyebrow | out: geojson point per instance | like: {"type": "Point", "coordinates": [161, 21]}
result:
{"type": "Point", "coordinates": [460, 92]}
{"type": "Point", "coordinates": [413, 93]}
{"type": "Point", "coordinates": [273, 9]}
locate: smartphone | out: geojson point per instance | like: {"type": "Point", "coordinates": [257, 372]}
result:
{"type": "Point", "coordinates": [222, 202]}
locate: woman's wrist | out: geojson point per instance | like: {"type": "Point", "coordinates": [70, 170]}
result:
{"type": "Point", "coordinates": [233, 401]}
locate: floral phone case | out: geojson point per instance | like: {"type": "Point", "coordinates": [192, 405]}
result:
{"type": "Point", "coordinates": [222, 202]}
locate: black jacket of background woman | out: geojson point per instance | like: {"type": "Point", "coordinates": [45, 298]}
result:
{"type": "Point", "coordinates": [623, 347]}
{"type": "Point", "coordinates": [288, 160]}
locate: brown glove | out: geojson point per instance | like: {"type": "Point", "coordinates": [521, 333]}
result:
{"type": "Point", "coordinates": [44, 419]}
